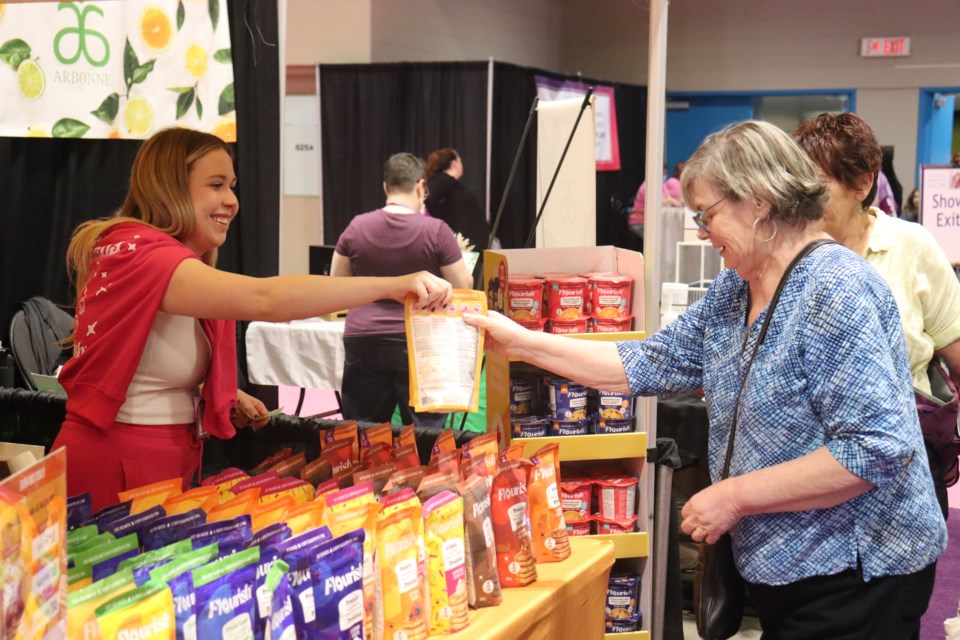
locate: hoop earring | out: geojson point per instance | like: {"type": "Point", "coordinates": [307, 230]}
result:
{"type": "Point", "coordinates": [764, 240]}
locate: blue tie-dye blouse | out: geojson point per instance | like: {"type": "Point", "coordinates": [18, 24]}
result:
{"type": "Point", "coordinates": [832, 371]}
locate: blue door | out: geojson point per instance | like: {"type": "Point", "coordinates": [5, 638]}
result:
{"type": "Point", "coordinates": [935, 127]}
{"type": "Point", "coordinates": [691, 118]}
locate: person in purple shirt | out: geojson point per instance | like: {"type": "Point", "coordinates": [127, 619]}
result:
{"type": "Point", "coordinates": [395, 239]}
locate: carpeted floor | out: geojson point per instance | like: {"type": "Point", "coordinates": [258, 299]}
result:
{"type": "Point", "coordinates": [946, 590]}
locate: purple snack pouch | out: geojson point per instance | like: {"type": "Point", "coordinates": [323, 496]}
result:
{"type": "Point", "coordinates": [231, 535]}
{"type": "Point", "coordinates": [79, 510]}
{"type": "Point", "coordinates": [336, 570]}
{"type": "Point", "coordinates": [164, 531]}
{"type": "Point", "coordinates": [108, 514]}
{"type": "Point", "coordinates": [281, 625]}
{"type": "Point", "coordinates": [309, 539]}
{"type": "Point", "coordinates": [297, 553]}
{"type": "Point", "coordinates": [136, 523]}
{"type": "Point", "coordinates": [270, 535]}
{"type": "Point", "coordinates": [109, 566]}
{"type": "Point", "coordinates": [269, 539]}
{"type": "Point", "coordinates": [225, 602]}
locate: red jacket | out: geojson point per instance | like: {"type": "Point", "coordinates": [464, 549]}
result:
{"type": "Point", "coordinates": [131, 267]}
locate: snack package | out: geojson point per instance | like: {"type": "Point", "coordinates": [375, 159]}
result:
{"type": "Point", "coordinates": [445, 354]}
{"type": "Point", "coordinates": [253, 482]}
{"type": "Point", "coordinates": [336, 572]}
{"type": "Point", "coordinates": [154, 558]}
{"type": "Point", "coordinates": [548, 528]}
{"type": "Point", "coordinates": [445, 443]}
{"type": "Point", "coordinates": [407, 437]}
{"type": "Point", "coordinates": [106, 551]}
{"type": "Point", "coordinates": [324, 490]}
{"type": "Point", "coordinates": [304, 517]}
{"type": "Point", "coordinates": [399, 606]}
{"type": "Point", "coordinates": [271, 460]}
{"type": "Point", "coordinates": [111, 513]}
{"type": "Point", "coordinates": [377, 477]}
{"type": "Point", "coordinates": [281, 625]}
{"type": "Point", "coordinates": [270, 535]}
{"type": "Point", "coordinates": [151, 495]}
{"type": "Point", "coordinates": [299, 490]}
{"type": "Point", "coordinates": [448, 461]}
{"type": "Point", "coordinates": [485, 447]}
{"type": "Point", "coordinates": [379, 434]}
{"type": "Point", "coordinates": [231, 535]}
{"type": "Point", "coordinates": [340, 457]}
{"type": "Point", "coordinates": [108, 567]}
{"type": "Point", "coordinates": [83, 603]}
{"type": "Point", "coordinates": [351, 497]}
{"type": "Point", "coordinates": [290, 468]}
{"type": "Point", "coordinates": [361, 517]}
{"type": "Point", "coordinates": [316, 472]}
{"type": "Point", "coordinates": [513, 452]}
{"type": "Point", "coordinates": [240, 505]}
{"type": "Point", "coordinates": [406, 456]}
{"type": "Point", "coordinates": [516, 565]}
{"type": "Point", "coordinates": [164, 531]}
{"type": "Point", "coordinates": [446, 602]}
{"type": "Point", "coordinates": [347, 432]}
{"type": "Point", "coordinates": [135, 523]}
{"type": "Point", "coordinates": [204, 498]}
{"type": "Point", "coordinates": [483, 583]}
{"type": "Point", "coordinates": [433, 484]}
{"type": "Point", "coordinates": [177, 575]}
{"type": "Point", "coordinates": [84, 539]}
{"type": "Point", "coordinates": [145, 613]}
{"type": "Point", "coordinates": [224, 590]}
{"type": "Point", "coordinates": [79, 510]}
{"type": "Point", "coordinates": [270, 511]}
{"type": "Point", "coordinates": [409, 477]}
{"type": "Point", "coordinates": [225, 479]}
{"type": "Point", "coordinates": [377, 455]}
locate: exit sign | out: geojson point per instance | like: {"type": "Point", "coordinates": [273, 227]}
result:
{"type": "Point", "coordinates": [884, 47]}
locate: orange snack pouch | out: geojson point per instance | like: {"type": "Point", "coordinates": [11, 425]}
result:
{"type": "Point", "coordinates": [399, 607]}
{"type": "Point", "coordinates": [151, 495]}
{"type": "Point", "coordinates": [377, 477]}
{"type": "Point", "coordinates": [317, 472]}
{"type": "Point", "coordinates": [347, 432]}
{"type": "Point", "coordinates": [406, 456]}
{"type": "Point", "coordinates": [271, 460]}
{"type": "Point", "coordinates": [361, 517]}
{"type": "Point", "coordinates": [433, 484]}
{"type": "Point", "coordinates": [205, 498]}
{"type": "Point", "coordinates": [304, 517]}
{"type": "Point", "coordinates": [267, 513]}
{"type": "Point", "coordinates": [339, 455]}
{"type": "Point", "coordinates": [549, 530]}
{"type": "Point", "coordinates": [350, 497]}
{"type": "Point", "coordinates": [486, 447]}
{"type": "Point", "coordinates": [446, 441]}
{"type": "Point", "coordinates": [409, 477]}
{"type": "Point", "coordinates": [407, 437]}
{"type": "Point", "coordinates": [446, 595]}
{"type": "Point", "coordinates": [516, 564]}
{"type": "Point", "coordinates": [290, 468]}
{"type": "Point", "coordinates": [238, 506]}
{"type": "Point", "coordinates": [378, 434]}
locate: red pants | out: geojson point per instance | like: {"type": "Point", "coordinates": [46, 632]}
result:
{"type": "Point", "coordinates": [106, 462]}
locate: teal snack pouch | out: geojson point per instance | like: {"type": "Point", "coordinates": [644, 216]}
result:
{"type": "Point", "coordinates": [336, 571]}
{"type": "Point", "coordinates": [231, 535]}
{"type": "Point", "coordinates": [136, 523]}
{"type": "Point", "coordinates": [169, 529]}
{"type": "Point", "coordinates": [281, 625]}
{"type": "Point", "coordinates": [79, 510]}
{"type": "Point", "coordinates": [225, 599]}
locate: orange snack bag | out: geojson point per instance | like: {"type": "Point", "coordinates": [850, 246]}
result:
{"type": "Point", "coordinates": [446, 596]}
{"type": "Point", "coordinates": [339, 455]}
{"type": "Point", "coordinates": [406, 438]}
{"type": "Point", "coordinates": [406, 456]}
{"type": "Point", "coordinates": [446, 441]}
{"type": "Point", "coordinates": [516, 564]}
{"type": "Point", "coordinates": [378, 454]}
{"type": "Point", "coordinates": [376, 477]}
{"type": "Point", "coordinates": [400, 500]}
{"type": "Point", "coordinates": [304, 517]}
{"type": "Point", "coordinates": [409, 477]}
{"type": "Point", "coordinates": [151, 495]}
{"type": "Point", "coordinates": [271, 460]}
{"type": "Point", "coordinates": [513, 452]}
{"type": "Point", "coordinates": [486, 447]}
{"type": "Point", "coordinates": [323, 490]}
{"type": "Point", "coordinates": [205, 498]}
{"type": "Point", "coordinates": [549, 530]}
{"type": "Point", "coordinates": [238, 506]}
{"type": "Point", "coordinates": [254, 482]}
{"type": "Point", "coordinates": [433, 484]}
{"type": "Point", "coordinates": [350, 497]}
{"type": "Point", "coordinates": [290, 467]}
{"type": "Point", "coordinates": [399, 607]}
{"type": "Point", "coordinates": [298, 489]}
{"type": "Point", "coordinates": [347, 432]}
{"type": "Point", "coordinates": [379, 434]}
{"type": "Point", "coordinates": [361, 517]}
{"type": "Point", "coordinates": [447, 461]}
{"type": "Point", "coordinates": [224, 480]}
{"type": "Point", "coordinates": [267, 513]}
{"type": "Point", "coordinates": [317, 472]}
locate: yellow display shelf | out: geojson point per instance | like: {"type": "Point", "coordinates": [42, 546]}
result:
{"type": "Point", "coordinates": [627, 545]}
{"type": "Point", "coordinates": [610, 446]}
{"type": "Point", "coordinates": [628, 635]}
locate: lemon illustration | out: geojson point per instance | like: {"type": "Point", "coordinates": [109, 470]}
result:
{"type": "Point", "coordinates": [156, 30]}
{"type": "Point", "coordinates": [138, 116]}
{"type": "Point", "coordinates": [31, 80]}
{"type": "Point", "coordinates": [34, 132]}
{"type": "Point", "coordinates": [196, 60]}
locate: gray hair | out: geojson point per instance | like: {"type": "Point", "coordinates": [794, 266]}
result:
{"type": "Point", "coordinates": [754, 159]}
{"type": "Point", "coordinates": [401, 172]}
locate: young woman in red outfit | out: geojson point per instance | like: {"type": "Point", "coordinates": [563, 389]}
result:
{"type": "Point", "coordinates": [154, 351]}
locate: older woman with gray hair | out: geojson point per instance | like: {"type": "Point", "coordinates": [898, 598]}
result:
{"type": "Point", "coordinates": [799, 352]}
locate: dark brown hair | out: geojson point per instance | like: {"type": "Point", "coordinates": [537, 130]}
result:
{"type": "Point", "coordinates": [440, 160]}
{"type": "Point", "coordinates": [844, 147]}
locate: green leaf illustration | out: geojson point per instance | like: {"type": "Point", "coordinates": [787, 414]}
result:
{"type": "Point", "coordinates": [140, 73]}
{"type": "Point", "coordinates": [223, 55]}
{"type": "Point", "coordinates": [15, 51]}
{"type": "Point", "coordinates": [180, 15]}
{"type": "Point", "coordinates": [184, 102]}
{"type": "Point", "coordinates": [199, 108]}
{"type": "Point", "coordinates": [107, 111]}
{"type": "Point", "coordinates": [130, 64]}
{"type": "Point", "coordinates": [179, 89]}
{"type": "Point", "coordinates": [214, 8]}
{"type": "Point", "coordinates": [69, 128]}
{"type": "Point", "coordinates": [227, 102]}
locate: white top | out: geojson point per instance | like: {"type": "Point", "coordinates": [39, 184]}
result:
{"type": "Point", "coordinates": [174, 362]}
{"type": "Point", "coordinates": [923, 284]}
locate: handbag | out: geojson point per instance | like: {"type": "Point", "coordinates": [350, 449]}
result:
{"type": "Point", "coordinates": [718, 588]}
{"type": "Point", "coordinates": [939, 415]}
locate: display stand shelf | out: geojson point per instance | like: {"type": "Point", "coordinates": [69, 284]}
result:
{"type": "Point", "coordinates": [611, 446]}
{"type": "Point", "coordinates": [627, 545]}
{"type": "Point", "coordinates": [628, 635]}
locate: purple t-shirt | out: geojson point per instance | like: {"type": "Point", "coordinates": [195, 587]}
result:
{"type": "Point", "coordinates": [379, 243]}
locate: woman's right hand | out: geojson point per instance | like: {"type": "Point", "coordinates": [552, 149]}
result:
{"type": "Point", "coordinates": [503, 336]}
{"type": "Point", "coordinates": [430, 290]}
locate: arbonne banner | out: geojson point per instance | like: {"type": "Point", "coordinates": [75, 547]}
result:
{"type": "Point", "coordinates": [115, 69]}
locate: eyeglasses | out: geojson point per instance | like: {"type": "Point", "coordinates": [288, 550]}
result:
{"type": "Point", "coordinates": [699, 216]}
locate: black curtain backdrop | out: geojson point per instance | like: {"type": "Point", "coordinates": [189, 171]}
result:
{"type": "Point", "coordinates": [369, 112]}
{"type": "Point", "coordinates": [49, 186]}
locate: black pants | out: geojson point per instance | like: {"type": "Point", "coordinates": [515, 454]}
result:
{"type": "Point", "coordinates": [376, 379]}
{"type": "Point", "coordinates": [844, 607]}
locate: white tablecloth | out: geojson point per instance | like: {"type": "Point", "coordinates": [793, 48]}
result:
{"type": "Point", "coordinates": [302, 353]}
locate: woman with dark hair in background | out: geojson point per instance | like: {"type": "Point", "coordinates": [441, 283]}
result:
{"type": "Point", "coordinates": [449, 200]}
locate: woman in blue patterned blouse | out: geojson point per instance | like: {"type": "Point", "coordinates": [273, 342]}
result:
{"type": "Point", "coordinates": [829, 502]}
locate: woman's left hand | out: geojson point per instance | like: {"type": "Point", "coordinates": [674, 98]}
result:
{"type": "Point", "coordinates": [248, 412]}
{"type": "Point", "coordinates": [710, 513]}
